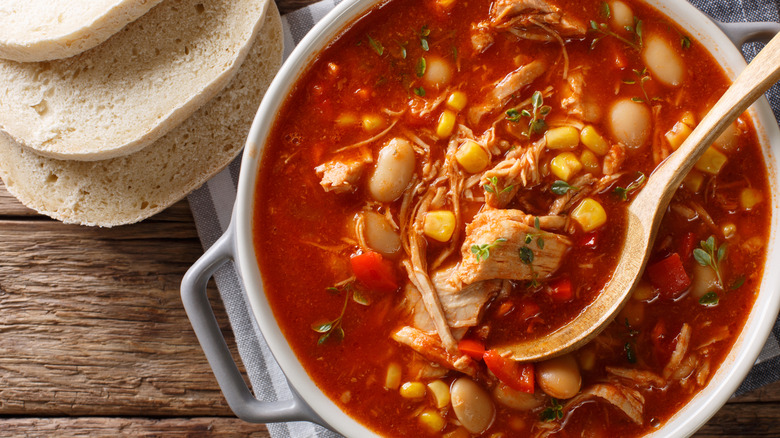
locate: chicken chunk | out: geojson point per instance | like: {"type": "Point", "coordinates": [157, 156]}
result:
{"type": "Point", "coordinates": [341, 175]}
{"type": "Point", "coordinates": [528, 19]}
{"type": "Point", "coordinates": [500, 92]}
{"type": "Point", "coordinates": [462, 306]}
{"type": "Point", "coordinates": [429, 346]}
{"type": "Point", "coordinates": [496, 247]}
{"type": "Point", "coordinates": [519, 168]}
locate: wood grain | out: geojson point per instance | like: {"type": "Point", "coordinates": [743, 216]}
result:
{"type": "Point", "coordinates": [99, 427]}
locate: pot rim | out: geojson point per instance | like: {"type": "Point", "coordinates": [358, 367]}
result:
{"type": "Point", "coordinates": [692, 415]}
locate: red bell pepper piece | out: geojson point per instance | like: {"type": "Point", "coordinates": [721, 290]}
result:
{"type": "Point", "coordinates": [687, 245]}
{"type": "Point", "coordinates": [374, 271]}
{"type": "Point", "coordinates": [561, 290]}
{"type": "Point", "coordinates": [669, 276]}
{"type": "Point", "coordinates": [516, 375]}
{"type": "Point", "coordinates": [472, 348]}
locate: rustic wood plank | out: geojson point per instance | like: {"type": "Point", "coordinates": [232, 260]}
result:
{"type": "Point", "coordinates": [99, 427]}
{"type": "Point", "coordinates": [93, 322]}
{"type": "Point", "coordinates": [743, 420]}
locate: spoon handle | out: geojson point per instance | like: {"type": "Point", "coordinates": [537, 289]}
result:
{"type": "Point", "coordinates": [757, 77]}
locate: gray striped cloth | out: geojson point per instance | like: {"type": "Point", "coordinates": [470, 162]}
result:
{"type": "Point", "coordinates": [212, 205]}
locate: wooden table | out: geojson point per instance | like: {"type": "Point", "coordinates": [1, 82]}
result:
{"type": "Point", "coordinates": [94, 340]}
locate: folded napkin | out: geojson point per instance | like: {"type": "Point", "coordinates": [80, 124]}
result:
{"type": "Point", "coordinates": [212, 205]}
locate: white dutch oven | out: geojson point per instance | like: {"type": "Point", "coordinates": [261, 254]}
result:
{"type": "Point", "coordinates": [309, 403]}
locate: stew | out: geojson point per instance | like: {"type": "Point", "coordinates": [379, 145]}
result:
{"type": "Point", "coordinates": [450, 177]}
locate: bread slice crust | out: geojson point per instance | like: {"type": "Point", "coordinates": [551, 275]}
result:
{"type": "Point", "coordinates": [126, 93]}
{"type": "Point", "coordinates": [43, 30]}
{"type": "Point", "coordinates": [129, 189]}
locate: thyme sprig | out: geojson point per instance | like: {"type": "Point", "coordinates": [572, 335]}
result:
{"type": "Point", "coordinates": [333, 329]}
{"type": "Point", "coordinates": [623, 193]}
{"type": "Point", "coordinates": [482, 251]}
{"type": "Point", "coordinates": [492, 186]}
{"type": "Point", "coordinates": [604, 31]}
{"type": "Point", "coordinates": [710, 254]}
{"type": "Point", "coordinates": [553, 412]}
{"type": "Point", "coordinates": [538, 112]}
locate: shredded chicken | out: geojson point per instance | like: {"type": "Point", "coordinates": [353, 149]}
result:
{"type": "Point", "coordinates": [519, 168]}
{"type": "Point", "coordinates": [340, 175]}
{"type": "Point", "coordinates": [521, 17]}
{"type": "Point", "coordinates": [430, 348]}
{"type": "Point", "coordinates": [493, 248]}
{"type": "Point", "coordinates": [683, 342]}
{"type": "Point", "coordinates": [630, 401]}
{"type": "Point", "coordinates": [641, 378]}
{"type": "Point", "coordinates": [587, 188]}
{"type": "Point", "coordinates": [614, 159]}
{"type": "Point", "coordinates": [500, 92]}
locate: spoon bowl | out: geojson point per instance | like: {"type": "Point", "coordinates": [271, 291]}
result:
{"type": "Point", "coordinates": [648, 208]}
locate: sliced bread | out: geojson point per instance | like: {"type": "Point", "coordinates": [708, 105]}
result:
{"type": "Point", "coordinates": [129, 91]}
{"type": "Point", "coordinates": [42, 30]}
{"type": "Point", "coordinates": [131, 188]}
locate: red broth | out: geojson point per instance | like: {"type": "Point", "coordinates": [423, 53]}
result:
{"type": "Point", "coordinates": [344, 297]}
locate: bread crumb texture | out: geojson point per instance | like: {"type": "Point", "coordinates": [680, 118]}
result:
{"type": "Point", "coordinates": [43, 30]}
{"type": "Point", "coordinates": [124, 94]}
{"type": "Point", "coordinates": [131, 188]}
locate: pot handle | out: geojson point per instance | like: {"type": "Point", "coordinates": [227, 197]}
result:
{"type": "Point", "coordinates": [201, 315]}
{"type": "Point", "coordinates": [741, 33]}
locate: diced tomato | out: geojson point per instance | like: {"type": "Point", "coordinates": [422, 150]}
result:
{"type": "Point", "coordinates": [589, 240]}
{"type": "Point", "coordinates": [669, 276]}
{"type": "Point", "coordinates": [374, 271]}
{"type": "Point", "coordinates": [687, 245]}
{"type": "Point", "coordinates": [663, 344]}
{"type": "Point", "coordinates": [561, 290]}
{"type": "Point", "coordinates": [527, 309]}
{"type": "Point", "coordinates": [516, 375]}
{"type": "Point", "coordinates": [472, 348]}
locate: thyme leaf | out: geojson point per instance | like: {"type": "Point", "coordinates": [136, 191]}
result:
{"type": "Point", "coordinates": [561, 187]}
{"type": "Point", "coordinates": [710, 299]}
{"type": "Point", "coordinates": [526, 255]}
{"type": "Point", "coordinates": [709, 254]}
{"type": "Point", "coordinates": [482, 251]}
{"type": "Point", "coordinates": [376, 45]}
{"type": "Point", "coordinates": [553, 412]}
{"type": "Point", "coordinates": [636, 184]}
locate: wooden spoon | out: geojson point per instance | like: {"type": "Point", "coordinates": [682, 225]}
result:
{"type": "Point", "coordinates": [648, 208]}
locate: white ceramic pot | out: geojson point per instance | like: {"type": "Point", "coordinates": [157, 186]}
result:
{"type": "Point", "coordinates": [309, 403]}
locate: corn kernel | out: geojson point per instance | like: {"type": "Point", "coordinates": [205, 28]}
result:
{"type": "Point", "coordinates": [460, 432]}
{"type": "Point", "coordinates": [445, 3]}
{"type": "Point", "coordinates": [729, 231]}
{"type": "Point", "coordinates": [432, 420]}
{"type": "Point", "coordinates": [749, 198]}
{"type": "Point", "coordinates": [446, 124]}
{"type": "Point", "coordinates": [457, 100]}
{"type": "Point", "coordinates": [346, 119]}
{"type": "Point", "coordinates": [590, 161]}
{"type": "Point", "coordinates": [711, 161]}
{"type": "Point", "coordinates": [439, 225]}
{"type": "Point", "coordinates": [412, 390]}
{"type": "Point", "coordinates": [643, 291]}
{"type": "Point", "coordinates": [689, 119]}
{"type": "Point", "coordinates": [589, 214]}
{"type": "Point", "coordinates": [372, 122]}
{"type": "Point", "coordinates": [562, 138]}
{"type": "Point", "coordinates": [393, 377]}
{"type": "Point", "coordinates": [693, 181]}
{"type": "Point", "coordinates": [441, 393]}
{"type": "Point", "coordinates": [565, 165]}
{"type": "Point", "coordinates": [593, 140]}
{"type": "Point", "coordinates": [677, 135]}
{"type": "Point", "coordinates": [587, 359]}
{"type": "Point", "coordinates": [472, 156]}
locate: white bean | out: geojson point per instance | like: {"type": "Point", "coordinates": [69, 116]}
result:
{"type": "Point", "coordinates": [394, 170]}
{"type": "Point", "coordinates": [519, 400]}
{"type": "Point", "coordinates": [380, 235]}
{"type": "Point", "coordinates": [438, 72]}
{"type": "Point", "coordinates": [703, 280]}
{"type": "Point", "coordinates": [727, 142]}
{"type": "Point", "coordinates": [559, 377]}
{"type": "Point", "coordinates": [472, 405]}
{"type": "Point", "coordinates": [630, 123]}
{"type": "Point", "coordinates": [664, 63]}
{"type": "Point", "coordinates": [622, 15]}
